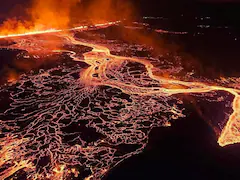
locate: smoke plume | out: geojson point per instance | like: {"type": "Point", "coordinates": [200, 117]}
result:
{"type": "Point", "coordinates": [59, 14]}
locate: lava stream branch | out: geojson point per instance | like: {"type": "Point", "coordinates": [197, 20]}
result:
{"type": "Point", "coordinates": [230, 133]}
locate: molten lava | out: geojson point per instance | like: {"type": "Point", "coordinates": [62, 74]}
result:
{"type": "Point", "coordinates": [230, 133]}
{"type": "Point", "coordinates": [101, 25]}
{"type": "Point", "coordinates": [81, 101]}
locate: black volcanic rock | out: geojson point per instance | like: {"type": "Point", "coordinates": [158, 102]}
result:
{"type": "Point", "coordinates": [188, 150]}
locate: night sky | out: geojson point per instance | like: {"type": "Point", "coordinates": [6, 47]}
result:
{"type": "Point", "coordinates": [16, 7]}
{"type": "Point", "coordinates": [6, 5]}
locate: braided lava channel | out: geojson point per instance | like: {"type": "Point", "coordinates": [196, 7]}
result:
{"type": "Point", "coordinates": [100, 58]}
{"type": "Point", "coordinates": [118, 119]}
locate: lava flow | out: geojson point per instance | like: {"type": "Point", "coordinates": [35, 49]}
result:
{"type": "Point", "coordinates": [57, 30]}
{"type": "Point", "coordinates": [98, 58]}
{"type": "Point", "coordinates": [78, 121]}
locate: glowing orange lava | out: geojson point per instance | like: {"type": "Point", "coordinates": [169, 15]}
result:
{"type": "Point", "coordinates": [53, 109]}
{"type": "Point", "coordinates": [102, 25]}
{"type": "Point", "coordinates": [99, 54]}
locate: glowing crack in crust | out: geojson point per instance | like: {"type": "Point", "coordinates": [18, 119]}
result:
{"type": "Point", "coordinates": [59, 126]}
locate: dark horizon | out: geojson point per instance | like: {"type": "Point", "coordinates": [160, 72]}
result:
{"type": "Point", "coordinates": [17, 7]}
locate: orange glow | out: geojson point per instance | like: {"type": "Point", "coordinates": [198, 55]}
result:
{"type": "Point", "coordinates": [44, 16]}
{"type": "Point", "coordinates": [49, 31]}
{"type": "Point", "coordinates": [108, 10]}
{"type": "Point", "coordinates": [12, 76]}
{"type": "Point", "coordinates": [28, 33]}
{"type": "Point", "coordinates": [8, 156]}
{"type": "Point", "coordinates": [53, 17]}
{"type": "Point", "coordinates": [98, 58]}
{"type": "Point", "coordinates": [58, 172]}
{"type": "Point", "coordinates": [230, 133]}
{"type": "Point", "coordinates": [16, 167]}
{"type": "Point", "coordinates": [52, 13]}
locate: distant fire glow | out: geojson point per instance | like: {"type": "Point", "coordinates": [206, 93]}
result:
{"type": "Point", "coordinates": [56, 30]}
